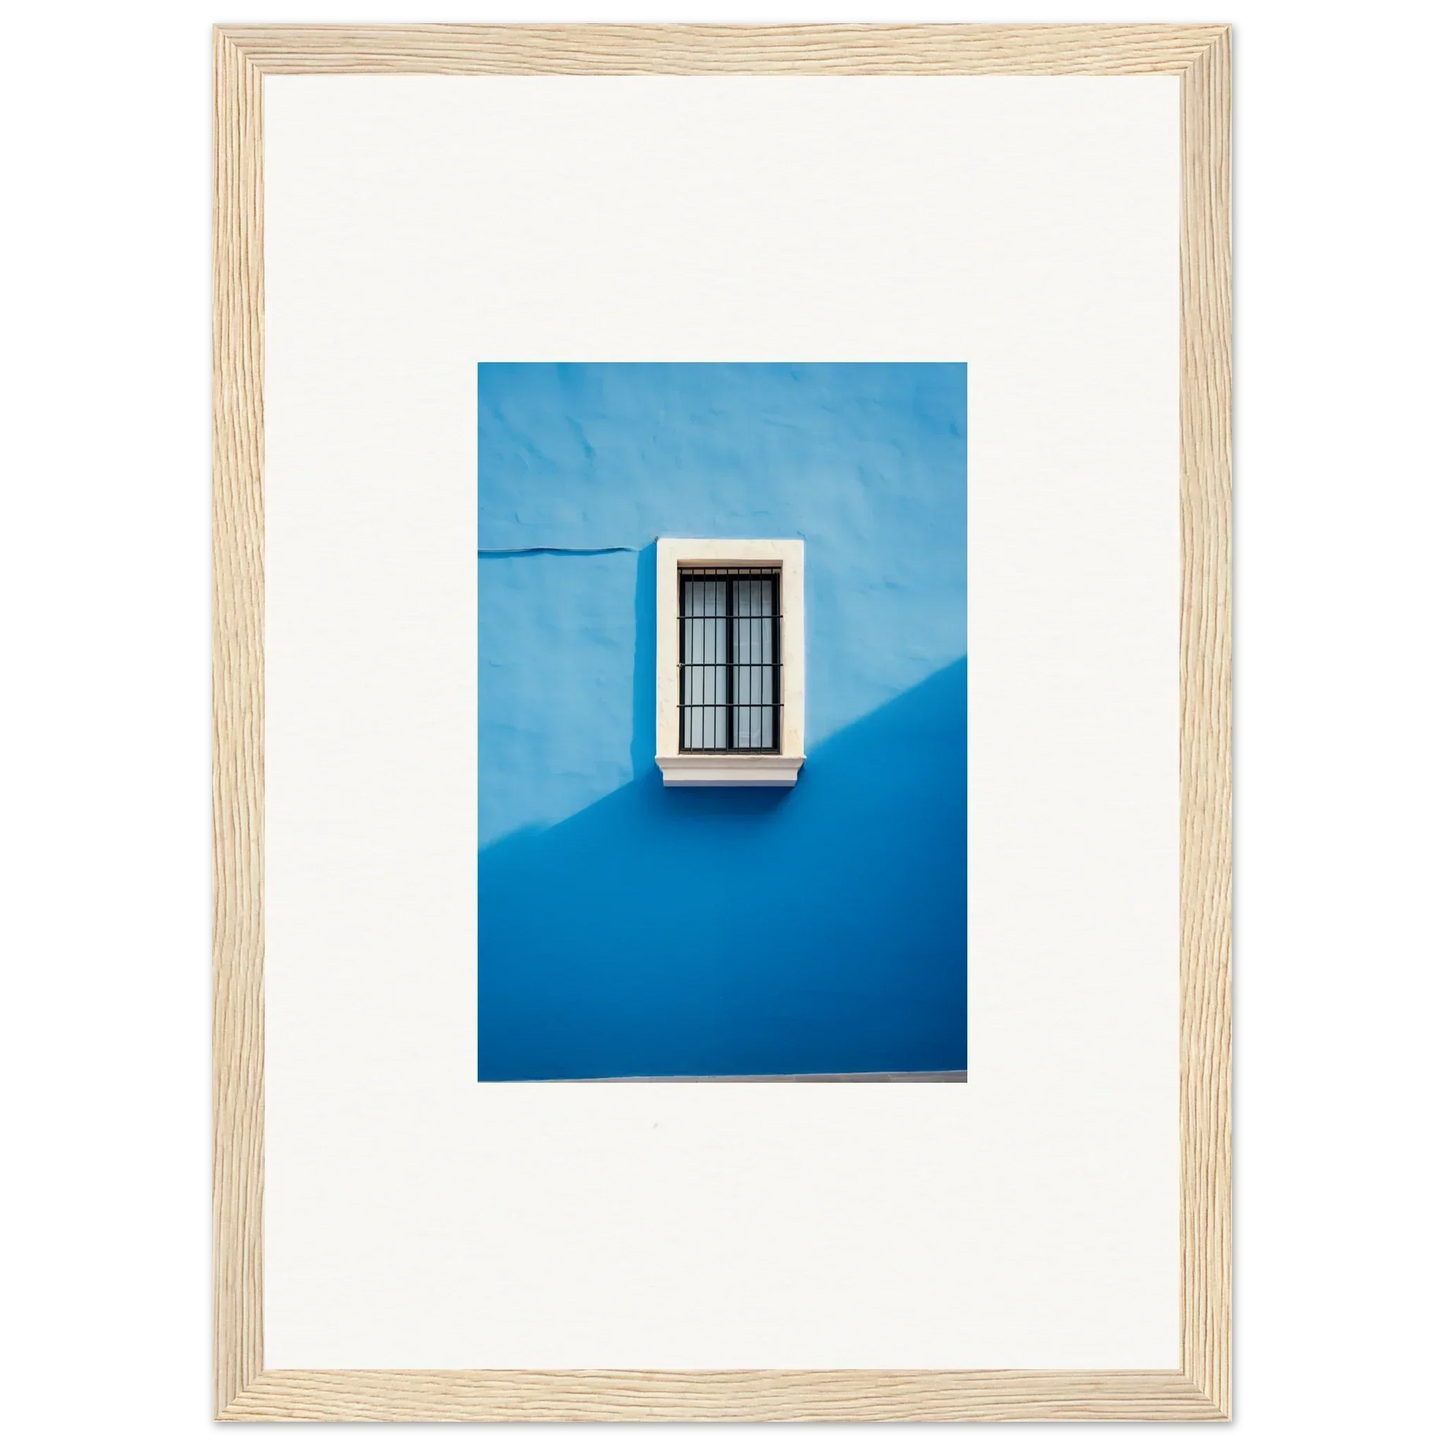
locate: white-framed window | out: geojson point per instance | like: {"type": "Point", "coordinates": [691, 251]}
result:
{"type": "Point", "coordinates": [730, 662]}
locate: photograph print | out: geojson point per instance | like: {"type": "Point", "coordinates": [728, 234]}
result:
{"type": "Point", "coordinates": [722, 735]}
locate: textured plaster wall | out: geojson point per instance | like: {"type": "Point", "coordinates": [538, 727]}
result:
{"type": "Point", "coordinates": [629, 930]}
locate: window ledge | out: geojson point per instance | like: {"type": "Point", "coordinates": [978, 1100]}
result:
{"type": "Point", "coordinates": [728, 770]}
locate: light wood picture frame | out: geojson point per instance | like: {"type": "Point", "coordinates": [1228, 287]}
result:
{"type": "Point", "coordinates": [1199, 1388]}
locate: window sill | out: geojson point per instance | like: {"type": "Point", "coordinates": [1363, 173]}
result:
{"type": "Point", "coordinates": [728, 770]}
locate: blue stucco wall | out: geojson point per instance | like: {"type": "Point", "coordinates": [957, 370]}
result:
{"type": "Point", "coordinates": [628, 930]}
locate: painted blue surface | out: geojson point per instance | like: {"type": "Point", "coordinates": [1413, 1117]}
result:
{"type": "Point", "coordinates": [866, 462]}
{"type": "Point", "coordinates": [627, 929]}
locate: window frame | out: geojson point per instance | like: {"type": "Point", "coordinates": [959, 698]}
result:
{"type": "Point", "coordinates": [731, 768]}
{"type": "Point", "coordinates": [762, 709]}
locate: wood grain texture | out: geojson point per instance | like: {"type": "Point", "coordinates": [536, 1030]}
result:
{"type": "Point", "coordinates": [237, 762]}
{"type": "Point", "coordinates": [723, 49]}
{"type": "Point", "coordinates": [720, 1395]}
{"type": "Point", "coordinates": [1205, 830]}
{"type": "Point", "coordinates": [1200, 1390]}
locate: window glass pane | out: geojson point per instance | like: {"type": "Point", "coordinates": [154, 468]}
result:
{"type": "Point", "coordinates": [753, 662]}
{"type": "Point", "coordinates": [704, 658]}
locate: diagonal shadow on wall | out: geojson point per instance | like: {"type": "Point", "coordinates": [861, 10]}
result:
{"type": "Point", "coordinates": [819, 929]}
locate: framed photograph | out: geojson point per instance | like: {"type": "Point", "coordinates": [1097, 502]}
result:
{"type": "Point", "coordinates": [722, 723]}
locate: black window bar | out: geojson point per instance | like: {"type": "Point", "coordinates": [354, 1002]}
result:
{"type": "Point", "coordinates": [729, 661]}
